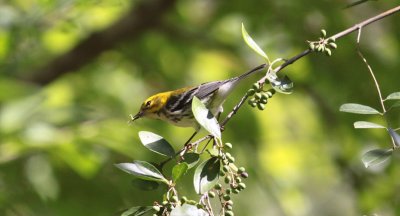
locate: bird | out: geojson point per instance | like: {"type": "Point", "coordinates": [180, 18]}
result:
{"type": "Point", "coordinates": [175, 107]}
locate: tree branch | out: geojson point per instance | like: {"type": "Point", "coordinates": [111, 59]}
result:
{"type": "Point", "coordinates": [142, 17]}
{"type": "Point", "coordinates": [304, 53]}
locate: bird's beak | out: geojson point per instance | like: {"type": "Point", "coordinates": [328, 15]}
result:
{"type": "Point", "coordinates": [137, 116]}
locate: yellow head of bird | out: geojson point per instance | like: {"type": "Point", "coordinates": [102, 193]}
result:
{"type": "Point", "coordinates": [152, 106]}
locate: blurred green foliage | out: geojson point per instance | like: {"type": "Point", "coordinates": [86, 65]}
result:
{"type": "Point", "coordinates": [58, 142]}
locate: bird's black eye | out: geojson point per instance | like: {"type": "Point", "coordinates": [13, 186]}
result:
{"type": "Point", "coordinates": [148, 103]}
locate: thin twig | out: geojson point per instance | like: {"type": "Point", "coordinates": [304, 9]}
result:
{"type": "Point", "coordinates": [371, 72]}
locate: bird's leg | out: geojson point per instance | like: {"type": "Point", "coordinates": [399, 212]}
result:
{"type": "Point", "coordinates": [221, 127]}
{"type": "Point", "coordinates": [187, 145]}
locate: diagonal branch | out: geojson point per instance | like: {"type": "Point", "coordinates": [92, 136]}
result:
{"type": "Point", "coordinates": [304, 53]}
{"type": "Point", "coordinates": [143, 16]}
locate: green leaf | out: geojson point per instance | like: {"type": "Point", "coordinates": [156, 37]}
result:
{"type": "Point", "coordinates": [206, 175]}
{"type": "Point", "coordinates": [393, 96]}
{"type": "Point", "coordinates": [145, 185]}
{"type": "Point", "coordinates": [205, 118]}
{"type": "Point", "coordinates": [358, 109]}
{"type": "Point", "coordinates": [188, 210]}
{"type": "Point", "coordinates": [179, 170]}
{"type": "Point", "coordinates": [156, 143]}
{"type": "Point", "coordinates": [252, 44]}
{"type": "Point", "coordinates": [137, 211]}
{"type": "Point", "coordinates": [365, 124]}
{"type": "Point", "coordinates": [395, 136]}
{"type": "Point", "coordinates": [376, 157]}
{"type": "Point", "coordinates": [142, 170]}
{"type": "Point", "coordinates": [191, 159]}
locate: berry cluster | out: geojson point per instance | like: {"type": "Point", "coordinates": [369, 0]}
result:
{"type": "Point", "coordinates": [259, 97]}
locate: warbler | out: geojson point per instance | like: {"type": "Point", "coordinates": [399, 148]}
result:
{"type": "Point", "coordinates": [175, 107]}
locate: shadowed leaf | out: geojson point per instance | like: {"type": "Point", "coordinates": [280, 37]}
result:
{"type": "Point", "coordinates": [156, 143]}
{"type": "Point", "coordinates": [205, 118]}
{"type": "Point", "coordinates": [206, 175]}
{"type": "Point", "coordinates": [142, 170]}
{"type": "Point", "coordinates": [191, 159]}
{"type": "Point", "coordinates": [376, 157]}
{"type": "Point", "coordinates": [145, 185]}
{"type": "Point", "coordinates": [179, 170]}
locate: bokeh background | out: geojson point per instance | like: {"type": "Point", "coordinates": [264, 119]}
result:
{"type": "Point", "coordinates": [71, 71]}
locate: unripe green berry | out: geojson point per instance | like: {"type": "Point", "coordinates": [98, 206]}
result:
{"type": "Point", "coordinates": [183, 199]}
{"type": "Point", "coordinates": [256, 86]}
{"type": "Point", "coordinates": [211, 194]}
{"type": "Point", "coordinates": [229, 207]}
{"type": "Point", "coordinates": [235, 191]}
{"type": "Point", "coordinates": [241, 185]}
{"type": "Point", "coordinates": [264, 101]}
{"type": "Point", "coordinates": [311, 45]}
{"type": "Point", "coordinates": [261, 106]}
{"type": "Point", "coordinates": [228, 145]}
{"type": "Point", "coordinates": [257, 96]}
{"type": "Point", "coordinates": [155, 215]}
{"type": "Point", "coordinates": [227, 179]}
{"type": "Point", "coordinates": [218, 187]}
{"type": "Point", "coordinates": [229, 213]}
{"type": "Point", "coordinates": [225, 168]}
{"type": "Point", "coordinates": [226, 197]}
{"type": "Point", "coordinates": [251, 92]}
{"type": "Point", "coordinates": [253, 104]}
{"type": "Point", "coordinates": [238, 179]}
{"type": "Point", "coordinates": [164, 202]}
{"type": "Point", "coordinates": [156, 208]}
{"type": "Point", "coordinates": [231, 159]}
{"type": "Point", "coordinates": [174, 199]}
{"type": "Point", "coordinates": [229, 202]}
{"type": "Point", "coordinates": [228, 191]}
{"type": "Point", "coordinates": [241, 170]}
{"type": "Point", "coordinates": [199, 206]}
{"type": "Point", "coordinates": [264, 95]}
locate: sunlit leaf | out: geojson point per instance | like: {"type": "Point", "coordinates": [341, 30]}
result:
{"type": "Point", "coordinates": [205, 118]}
{"type": "Point", "coordinates": [142, 170]}
{"type": "Point", "coordinates": [188, 210]}
{"type": "Point", "coordinates": [252, 44]}
{"type": "Point", "coordinates": [137, 211]}
{"type": "Point", "coordinates": [206, 175]}
{"type": "Point", "coordinates": [376, 157]}
{"type": "Point", "coordinates": [191, 159]}
{"type": "Point", "coordinates": [395, 136]}
{"type": "Point", "coordinates": [358, 109]}
{"type": "Point", "coordinates": [179, 170]}
{"type": "Point", "coordinates": [145, 185]}
{"type": "Point", "coordinates": [365, 124]}
{"type": "Point", "coordinates": [393, 96]}
{"type": "Point", "coordinates": [156, 143]}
